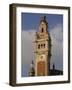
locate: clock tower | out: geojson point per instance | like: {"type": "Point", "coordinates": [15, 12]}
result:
{"type": "Point", "coordinates": [42, 49]}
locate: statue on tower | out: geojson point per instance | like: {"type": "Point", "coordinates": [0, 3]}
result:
{"type": "Point", "coordinates": [32, 70]}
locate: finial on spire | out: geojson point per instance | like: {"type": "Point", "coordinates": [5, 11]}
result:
{"type": "Point", "coordinates": [44, 17]}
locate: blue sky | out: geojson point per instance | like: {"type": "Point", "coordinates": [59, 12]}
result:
{"type": "Point", "coordinates": [29, 25]}
{"type": "Point", "coordinates": [31, 20]}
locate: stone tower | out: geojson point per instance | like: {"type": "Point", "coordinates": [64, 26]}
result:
{"type": "Point", "coordinates": [42, 49]}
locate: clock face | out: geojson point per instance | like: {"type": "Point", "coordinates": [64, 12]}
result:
{"type": "Point", "coordinates": [42, 57]}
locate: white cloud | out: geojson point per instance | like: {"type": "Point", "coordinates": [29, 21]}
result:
{"type": "Point", "coordinates": [56, 34]}
{"type": "Point", "coordinates": [28, 37]}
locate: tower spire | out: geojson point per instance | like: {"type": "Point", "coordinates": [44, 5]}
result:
{"type": "Point", "coordinates": [43, 18]}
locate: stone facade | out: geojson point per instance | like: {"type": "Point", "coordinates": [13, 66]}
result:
{"type": "Point", "coordinates": [43, 49]}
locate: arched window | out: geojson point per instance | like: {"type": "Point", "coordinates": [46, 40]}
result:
{"type": "Point", "coordinates": [44, 45]}
{"type": "Point", "coordinates": [41, 45]}
{"type": "Point", "coordinates": [42, 30]}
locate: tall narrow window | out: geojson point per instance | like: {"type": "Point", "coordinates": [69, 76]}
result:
{"type": "Point", "coordinates": [42, 30]}
{"type": "Point", "coordinates": [39, 46]}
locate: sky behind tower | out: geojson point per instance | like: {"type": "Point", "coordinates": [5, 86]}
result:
{"type": "Point", "coordinates": [31, 20]}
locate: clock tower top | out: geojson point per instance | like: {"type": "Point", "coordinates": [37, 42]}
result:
{"type": "Point", "coordinates": [43, 19]}
{"type": "Point", "coordinates": [43, 26]}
